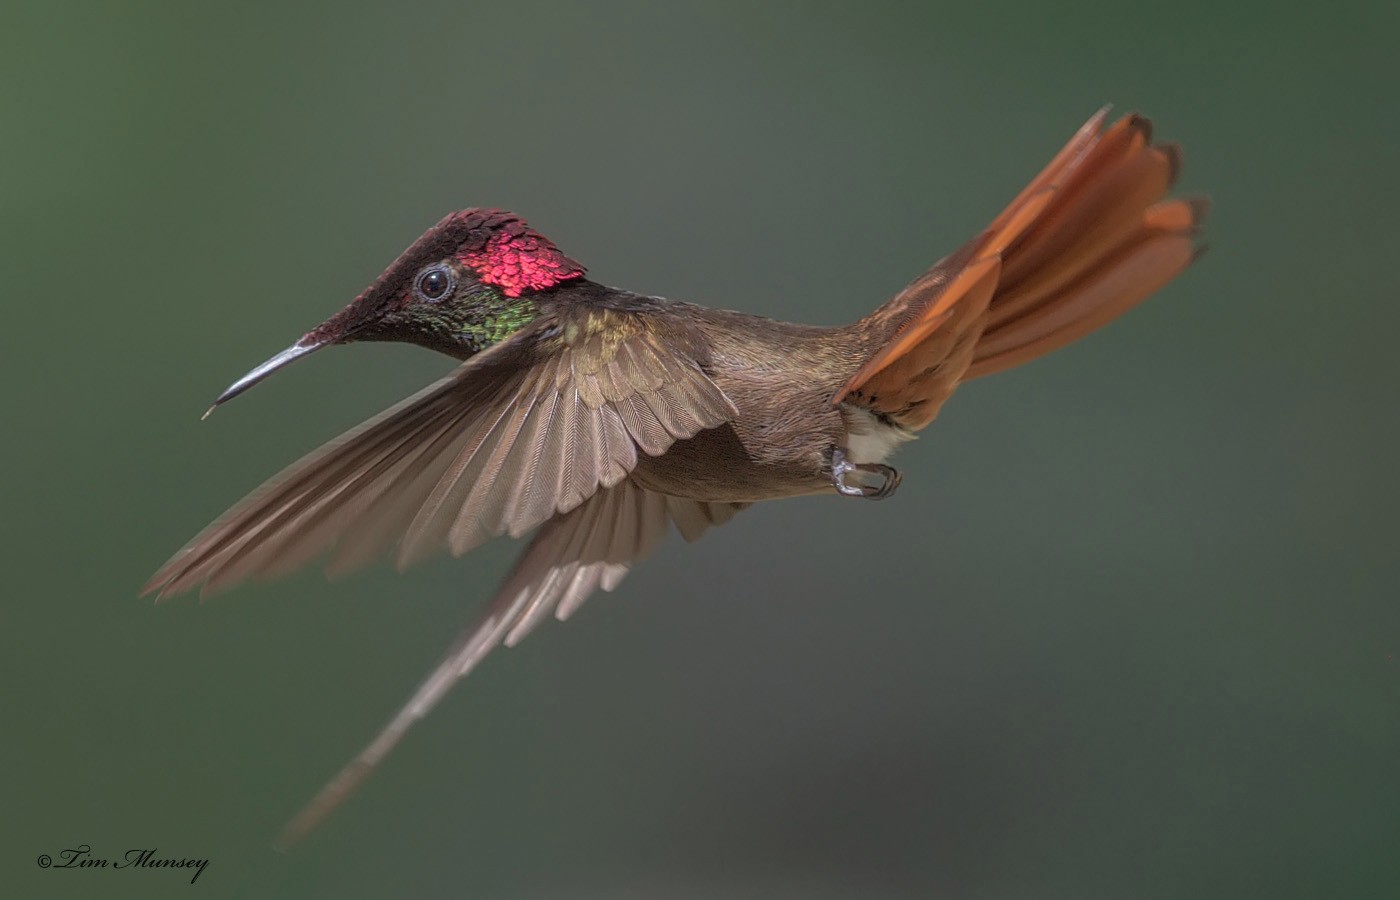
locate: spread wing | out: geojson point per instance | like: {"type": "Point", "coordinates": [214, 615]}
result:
{"type": "Point", "coordinates": [528, 429]}
{"type": "Point", "coordinates": [1085, 241]}
{"type": "Point", "coordinates": [574, 554]}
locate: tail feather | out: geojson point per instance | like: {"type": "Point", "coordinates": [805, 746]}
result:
{"type": "Point", "coordinates": [1086, 240]}
{"type": "Point", "coordinates": [1119, 161]}
{"type": "Point", "coordinates": [1101, 221]}
{"type": "Point", "coordinates": [1121, 282]}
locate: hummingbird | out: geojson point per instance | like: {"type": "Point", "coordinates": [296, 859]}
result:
{"type": "Point", "coordinates": [597, 418]}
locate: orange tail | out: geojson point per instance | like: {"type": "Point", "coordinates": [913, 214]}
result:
{"type": "Point", "coordinates": [1088, 239]}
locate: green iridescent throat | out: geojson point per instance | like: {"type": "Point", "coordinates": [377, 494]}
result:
{"type": "Point", "coordinates": [465, 324]}
{"type": "Point", "coordinates": [493, 318]}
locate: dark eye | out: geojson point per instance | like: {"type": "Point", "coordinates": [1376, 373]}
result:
{"type": "Point", "coordinates": [434, 283]}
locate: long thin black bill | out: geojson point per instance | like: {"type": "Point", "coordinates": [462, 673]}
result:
{"type": "Point", "coordinates": [290, 355]}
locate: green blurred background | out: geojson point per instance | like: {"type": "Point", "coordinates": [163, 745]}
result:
{"type": "Point", "coordinates": [1130, 628]}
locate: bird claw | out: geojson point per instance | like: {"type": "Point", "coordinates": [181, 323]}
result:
{"type": "Point", "coordinates": [890, 477]}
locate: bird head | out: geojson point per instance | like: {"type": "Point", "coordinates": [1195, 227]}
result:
{"type": "Point", "coordinates": [469, 282]}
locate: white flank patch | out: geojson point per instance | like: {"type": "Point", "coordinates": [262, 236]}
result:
{"type": "Point", "coordinates": [868, 440]}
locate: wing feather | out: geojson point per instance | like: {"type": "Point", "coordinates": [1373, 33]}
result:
{"type": "Point", "coordinates": [531, 428]}
{"type": "Point", "coordinates": [575, 553]}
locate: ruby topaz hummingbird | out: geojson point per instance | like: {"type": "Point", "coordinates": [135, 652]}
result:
{"type": "Point", "coordinates": [597, 418]}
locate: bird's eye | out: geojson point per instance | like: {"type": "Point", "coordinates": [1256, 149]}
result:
{"type": "Point", "coordinates": [434, 283]}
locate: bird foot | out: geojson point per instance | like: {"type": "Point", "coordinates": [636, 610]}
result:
{"type": "Point", "coordinates": [841, 468]}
